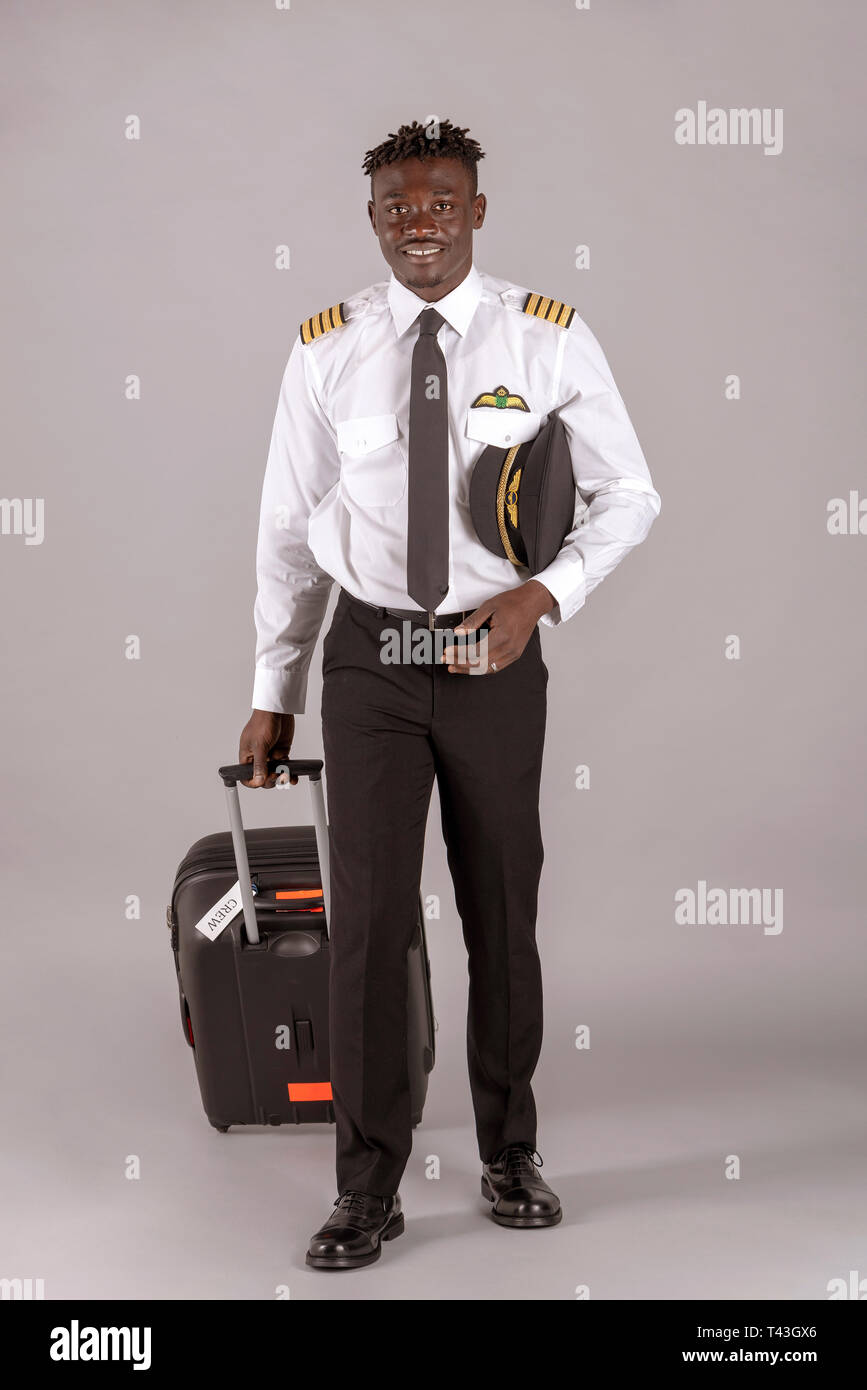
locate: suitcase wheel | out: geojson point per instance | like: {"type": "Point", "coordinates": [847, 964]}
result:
{"type": "Point", "coordinates": [223, 1129]}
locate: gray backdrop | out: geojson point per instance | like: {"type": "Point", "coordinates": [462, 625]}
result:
{"type": "Point", "coordinates": [156, 257]}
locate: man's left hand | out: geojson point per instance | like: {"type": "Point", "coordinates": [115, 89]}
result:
{"type": "Point", "coordinates": [511, 618]}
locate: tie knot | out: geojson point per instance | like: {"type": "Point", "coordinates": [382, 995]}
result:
{"type": "Point", "coordinates": [429, 322]}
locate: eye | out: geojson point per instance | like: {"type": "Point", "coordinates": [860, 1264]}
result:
{"type": "Point", "coordinates": [398, 207]}
{"type": "Point", "coordinates": [446, 206]}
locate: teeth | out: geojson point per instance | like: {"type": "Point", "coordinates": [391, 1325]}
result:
{"type": "Point", "coordinates": [433, 251]}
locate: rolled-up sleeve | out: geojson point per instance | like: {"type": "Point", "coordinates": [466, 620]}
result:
{"type": "Point", "coordinates": [293, 590]}
{"type": "Point", "coordinates": [616, 502]}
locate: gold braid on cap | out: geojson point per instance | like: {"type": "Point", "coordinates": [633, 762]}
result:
{"type": "Point", "coordinates": [501, 504]}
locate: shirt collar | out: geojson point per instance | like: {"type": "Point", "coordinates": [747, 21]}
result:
{"type": "Point", "coordinates": [457, 307]}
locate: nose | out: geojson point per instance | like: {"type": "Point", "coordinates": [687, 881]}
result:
{"type": "Point", "coordinates": [419, 224]}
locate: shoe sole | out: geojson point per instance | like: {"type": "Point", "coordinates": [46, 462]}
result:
{"type": "Point", "coordinates": [394, 1229]}
{"type": "Point", "coordinates": [519, 1222]}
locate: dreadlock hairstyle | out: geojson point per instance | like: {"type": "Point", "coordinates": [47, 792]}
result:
{"type": "Point", "coordinates": [434, 140]}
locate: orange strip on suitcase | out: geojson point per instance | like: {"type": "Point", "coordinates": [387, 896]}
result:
{"type": "Point", "coordinates": [310, 1090]}
{"type": "Point", "coordinates": [298, 893]}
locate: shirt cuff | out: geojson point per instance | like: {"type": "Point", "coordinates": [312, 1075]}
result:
{"type": "Point", "coordinates": [564, 578]}
{"type": "Point", "coordinates": [282, 692]}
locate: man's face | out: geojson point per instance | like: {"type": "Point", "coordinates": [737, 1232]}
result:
{"type": "Point", "coordinates": [424, 213]}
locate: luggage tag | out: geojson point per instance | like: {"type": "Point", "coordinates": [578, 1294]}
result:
{"type": "Point", "coordinates": [222, 913]}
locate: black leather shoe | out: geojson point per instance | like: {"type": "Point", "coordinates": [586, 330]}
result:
{"type": "Point", "coordinates": [351, 1236]}
{"type": "Point", "coordinates": [520, 1196]}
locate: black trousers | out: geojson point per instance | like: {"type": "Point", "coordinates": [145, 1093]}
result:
{"type": "Point", "coordinates": [388, 730]}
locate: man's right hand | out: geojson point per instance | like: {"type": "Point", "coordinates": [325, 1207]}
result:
{"type": "Point", "coordinates": [266, 735]}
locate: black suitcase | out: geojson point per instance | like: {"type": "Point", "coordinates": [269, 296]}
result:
{"type": "Point", "coordinates": [249, 932]}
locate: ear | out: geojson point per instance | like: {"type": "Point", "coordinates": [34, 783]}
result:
{"type": "Point", "coordinates": [480, 205]}
{"type": "Point", "coordinates": [371, 212]}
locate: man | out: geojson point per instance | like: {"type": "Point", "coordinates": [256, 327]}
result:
{"type": "Point", "coordinates": [386, 405]}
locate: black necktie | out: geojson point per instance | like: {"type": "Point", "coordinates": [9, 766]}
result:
{"type": "Point", "coordinates": [427, 547]}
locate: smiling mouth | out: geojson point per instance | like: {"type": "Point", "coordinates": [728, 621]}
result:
{"type": "Point", "coordinates": [420, 252]}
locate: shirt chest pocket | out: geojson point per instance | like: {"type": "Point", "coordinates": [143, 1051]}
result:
{"type": "Point", "coordinates": [373, 465]}
{"type": "Point", "coordinates": [503, 428]}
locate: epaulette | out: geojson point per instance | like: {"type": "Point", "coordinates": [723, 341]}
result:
{"type": "Point", "coordinates": [322, 323]}
{"type": "Point", "coordinates": [552, 310]}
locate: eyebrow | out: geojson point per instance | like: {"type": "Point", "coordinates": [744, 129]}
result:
{"type": "Point", "coordinates": [435, 193]}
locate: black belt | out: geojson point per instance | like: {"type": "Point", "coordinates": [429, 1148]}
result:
{"type": "Point", "coordinates": [419, 616]}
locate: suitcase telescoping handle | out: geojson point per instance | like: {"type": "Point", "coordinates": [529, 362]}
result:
{"type": "Point", "coordinates": [297, 767]}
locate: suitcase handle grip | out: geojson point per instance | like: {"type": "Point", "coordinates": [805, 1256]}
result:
{"type": "Point", "coordinates": [234, 773]}
{"type": "Point", "coordinates": [298, 767]}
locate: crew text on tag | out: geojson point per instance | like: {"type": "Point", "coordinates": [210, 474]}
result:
{"type": "Point", "coordinates": [221, 914]}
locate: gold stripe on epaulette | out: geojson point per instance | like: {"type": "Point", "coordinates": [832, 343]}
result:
{"type": "Point", "coordinates": [322, 323]}
{"type": "Point", "coordinates": [551, 310]}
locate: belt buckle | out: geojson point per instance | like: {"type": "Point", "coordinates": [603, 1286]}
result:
{"type": "Point", "coordinates": [432, 617]}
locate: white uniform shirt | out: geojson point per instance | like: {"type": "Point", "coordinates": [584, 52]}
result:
{"type": "Point", "coordinates": [334, 500]}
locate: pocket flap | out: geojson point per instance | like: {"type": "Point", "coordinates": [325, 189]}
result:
{"type": "Point", "coordinates": [368, 432]}
{"type": "Point", "coordinates": [502, 427]}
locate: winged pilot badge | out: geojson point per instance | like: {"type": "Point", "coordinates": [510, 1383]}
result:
{"type": "Point", "coordinates": [501, 398]}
